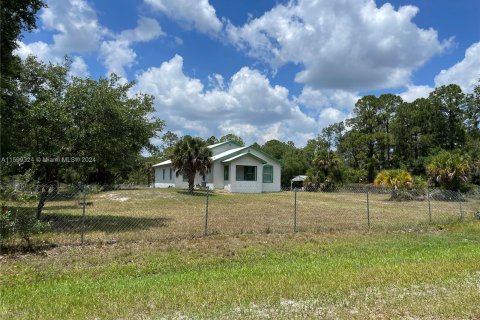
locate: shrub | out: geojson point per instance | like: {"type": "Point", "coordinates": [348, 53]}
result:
{"type": "Point", "coordinates": [449, 170]}
{"type": "Point", "coordinates": [17, 220]}
{"type": "Point", "coordinates": [400, 181]}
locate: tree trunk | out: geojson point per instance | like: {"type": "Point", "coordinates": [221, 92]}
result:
{"type": "Point", "coordinates": [41, 201]}
{"type": "Point", "coordinates": [190, 184]}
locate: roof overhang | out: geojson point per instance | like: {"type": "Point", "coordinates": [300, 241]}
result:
{"type": "Point", "coordinates": [242, 155]}
{"type": "Point", "coordinates": [163, 163]}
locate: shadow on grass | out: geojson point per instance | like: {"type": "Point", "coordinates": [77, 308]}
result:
{"type": "Point", "coordinates": [105, 223]}
{"type": "Point", "coordinates": [196, 193]}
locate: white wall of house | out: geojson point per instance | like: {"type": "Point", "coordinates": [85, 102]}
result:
{"type": "Point", "coordinates": [162, 177]}
{"type": "Point", "coordinates": [275, 186]}
{"type": "Point", "coordinates": [277, 172]}
{"type": "Point", "coordinates": [245, 186]}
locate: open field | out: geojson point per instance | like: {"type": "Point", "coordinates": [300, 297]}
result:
{"type": "Point", "coordinates": [428, 273]}
{"type": "Point", "coordinates": [156, 214]}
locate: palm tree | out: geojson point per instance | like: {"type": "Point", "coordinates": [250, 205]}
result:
{"type": "Point", "coordinates": [191, 155]}
{"type": "Point", "coordinates": [450, 170]}
{"type": "Point", "coordinates": [328, 163]}
{"type": "Point", "coordinates": [397, 179]}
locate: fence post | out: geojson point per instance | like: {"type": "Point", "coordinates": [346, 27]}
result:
{"type": "Point", "coordinates": [295, 211]}
{"type": "Point", "coordinates": [84, 203]}
{"type": "Point", "coordinates": [460, 204]}
{"type": "Point", "coordinates": [206, 214]}
{"type": "Point", "coordinates": [368, 210]}
{"type": "Point", "coordinates": [429, 206]}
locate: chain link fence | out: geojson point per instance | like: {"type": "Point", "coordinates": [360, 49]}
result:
{"type": "Point", "coordinates": [70, 214]}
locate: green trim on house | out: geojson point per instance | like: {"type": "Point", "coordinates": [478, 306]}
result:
{"type": "Point", "coordinates": [268, 173]}
{"type": "Point", "coordinates": [249, 147]}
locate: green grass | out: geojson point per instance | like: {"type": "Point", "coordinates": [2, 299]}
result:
{"type": "Point", "coordinates": [431, 273]}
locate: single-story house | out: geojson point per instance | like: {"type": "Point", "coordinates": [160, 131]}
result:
{"type": "Point", "coordinates": [234, 168]}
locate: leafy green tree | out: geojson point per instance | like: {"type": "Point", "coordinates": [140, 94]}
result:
{"type": "Point", "coordinates": [277, 149]}
{"type": "Point", "coordinates": [169, 140]}
{"type": "Point", "coordinates": [473, 112]}
{"type": "Point", "coordinates": [389, 103]}
{"type": "Point", "coordinates": [16, 16]}
{"type": "Point", "coordinates": [413, 134]}
{"type": "Point", "coordinates": [448, 116]}
{"type": "Point", "coordinates": [329, 167]}
{"type": "Point", "coordinates": [293, 163]}
{"type": "Point", "coordinates": [332, 134]}
{"type": "Point", "coordinates": [212, 140]}
{"type": "Point", "coordinates": [449, 169]}
{"type": "Point", "coordinates": [191, 155]}
{"type": "Point", "coordinates": [232, 137]}
{"type": "Point", "coordinates": [66, 118]}
{"type": "Point", "coordinates": [366, 124]}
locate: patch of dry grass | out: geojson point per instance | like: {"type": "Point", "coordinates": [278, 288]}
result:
{"type": "Point", "coordinates": [154, 214]}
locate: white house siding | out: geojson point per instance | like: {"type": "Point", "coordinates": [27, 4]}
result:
{"type": "Point", "coordinates": [179, 183]}
{"type": "Point", "coordinates": [217, 174]}
{"type": "Point", "coordinates": [167, 182]}
{"type": "Point", "coordinates": [268, 187]}
{"type": "Point", "coordinates": [276, 185]}
{"type": "Point", "coordinates": [246, 186]}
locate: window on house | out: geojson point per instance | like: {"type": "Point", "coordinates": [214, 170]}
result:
{"type": "Point", "coordinates": [246, 173]}
{"type": "Point", "coordinates": [267, 174]}
{"type": "Point", "coordinates": [163, 174]}
{"type": "Point", "coordinates": [185, 178]}
{"type": "Point", "coordinates": [171, 173]}
{"type": "Point", "coordinates": [225, 172]}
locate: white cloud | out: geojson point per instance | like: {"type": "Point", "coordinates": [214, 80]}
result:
{"type": "Point", "coordinates": [197, 14]}
{"type": "Point", "coordinates": [79, 68]}
{"type": "Point", "coordinates": [465, 73]}
{"type": "Point", "coordinates": [44, 53]}
{"type": "Point", "coordinates": [77, 31]}
{"type": "Point", "coordinates": [76, 25]}
{"type": "Point", "coordinates": [414, 92]}
{"type": "Point", "coordinates": [117, 54]}
{"type": "Point", "coordinates": [247, 105]}
{"type": "Point", "coordinates": [350, 44]}
{"type": "Point", "coordinates": [147, 30]}
{"type": "Point", "coordinates": [38, 48]}
{"type": "Point", "coordinates": [321, 99]}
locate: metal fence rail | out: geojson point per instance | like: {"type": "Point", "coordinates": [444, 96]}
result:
{"type": "Point", "coordinates": [91, 214]}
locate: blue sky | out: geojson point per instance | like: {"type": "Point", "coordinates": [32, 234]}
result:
{"type": "Point", "coordinates": [264, 69]}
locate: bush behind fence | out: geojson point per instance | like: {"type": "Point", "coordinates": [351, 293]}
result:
{"type": "Point", "coordinates": [74, 214]}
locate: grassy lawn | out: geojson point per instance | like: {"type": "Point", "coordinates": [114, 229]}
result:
{"type": "Point", "coordinates": [429, 273]}
{"type": "Point", "coordinates": [160, 214]}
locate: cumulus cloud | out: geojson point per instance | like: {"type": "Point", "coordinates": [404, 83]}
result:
{"type": "Point", "coordinates": [465, 73]}
{"type": "Point", "coordinates": [118, 54]}
{"type": "Point", "coordinates": [197, 14]}
{"type": "Point", "coordinates": [44, 53]}
{"type": "Point", "coordinates": [77, 31]}
{"type": "Point", "coordinates": [414, 92]}
{"type": "Point", "coordinates": [321, 99]}
{"type": "Point", "coordinates": [76, 24]}
{"type": "Point", "coordinates": [350, 44]}
{"type": "Point", "coordinates": [247, 105]}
